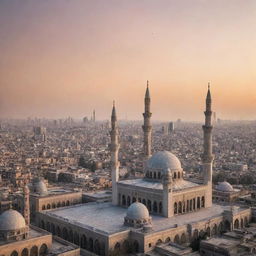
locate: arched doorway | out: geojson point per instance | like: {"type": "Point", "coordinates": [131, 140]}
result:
{"type": "Point", "coordinates": [183, 239]}
{"type": "Point", "coordinates": [34, 251]}
{"type": "Point", "coordinates": [14, 253]}
{"type": "Point", "coordinates": [236, 224]}
{"type": "Point", "coordinates": [135, 246]}
{"type": "Point", "coordinates": [43, 250]}
{"type": "Point", "coordinates": [24, 252]}
{"type": "Point", "coordinates": [176, 239]}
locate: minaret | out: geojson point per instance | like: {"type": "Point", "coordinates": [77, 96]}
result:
{"type": "Point", "coordinates": [207, 157]}
{"type": "Point", "coordinates": [114, 148]}
{"type": "Point", "coordinates": [147, 128]}
{"type": "Point", "coordinates": [26, 206]}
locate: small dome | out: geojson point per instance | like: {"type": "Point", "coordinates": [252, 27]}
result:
{"type": "Point", "coordinates": [39, 187]}
{"type": "Point", "coordinates": [224, 187]}
{"type": "Point", "coordinates": [137, 211]}
{"type": "Point", "coordinates": [11, 220]}
{"type": "Point", "coordinates": [164, 160]}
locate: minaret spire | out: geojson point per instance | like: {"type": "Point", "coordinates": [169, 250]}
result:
{"type": "Point", "coordinates": [147, 128]}
{"type": "Point", "coordinates": [114, 148]}
{"type": "Point", "coordinates": [207, 157]}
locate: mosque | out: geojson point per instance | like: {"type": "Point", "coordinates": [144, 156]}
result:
{"type": "Point", "coordinates": [161, 207]}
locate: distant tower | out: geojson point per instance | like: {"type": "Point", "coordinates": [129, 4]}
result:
{"type": "Point", "coordinates": [26, 206]}
{"type": "Point", "coordinates": [207, 157]}
{"type": "Point", "coordinates": [147, 128]}
{"type": "Point", "coordinates": [167, 193]}
{"type": "Point", "coordinates": [94, 116]}
{"type": "Point", "coordinates": [114, 148]}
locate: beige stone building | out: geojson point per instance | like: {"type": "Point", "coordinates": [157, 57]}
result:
{"type": "Point", "coordinates": [162, 206]}
{"type": "Point", "coordinates": [42, 198]}
{"type": "Point", "coordinates": [19, 238]}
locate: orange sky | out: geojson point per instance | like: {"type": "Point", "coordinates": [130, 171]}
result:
{"type": "Point", "coordinates": [64, 58]}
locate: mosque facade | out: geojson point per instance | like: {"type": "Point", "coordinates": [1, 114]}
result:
{"type": "Point", "coordinates": [161, 207]}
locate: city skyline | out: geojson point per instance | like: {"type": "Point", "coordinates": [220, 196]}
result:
{"type": "Point", "coordinates": [67, 58]}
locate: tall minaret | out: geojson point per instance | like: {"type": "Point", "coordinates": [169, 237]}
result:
{"type": "Point", "coordinates": [26, 206]}
{"type": "Point", "coordinates": [207, 157]}
{"type": "Point", "coordinates": [147, 128]}
{"type": "Point", "coordinates": [114, 148]}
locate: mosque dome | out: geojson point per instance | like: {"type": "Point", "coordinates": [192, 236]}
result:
{"type": "Point", "coordinates": [164, 160]}
{"type": "Point", "coordinates": [39, 186]}
{"type": "Point", "coordinates": [137, 215]}
{"type": "Point", "coordinates": [163, 165]}
{"type": "Point", "coordinates": [224, 187]}
{"type": "Point", "coordinates": [137, 211]}
{"type": "Point", "coordinates": [11, 220]}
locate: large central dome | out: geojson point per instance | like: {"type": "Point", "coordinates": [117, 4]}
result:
{"type": "Point", "coordinates": [164, 160]}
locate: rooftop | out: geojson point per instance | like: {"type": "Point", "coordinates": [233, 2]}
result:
{"type": "Point", "coordinates": [177, 184]}
{"type": "Point", "coordinates": [109, 219]}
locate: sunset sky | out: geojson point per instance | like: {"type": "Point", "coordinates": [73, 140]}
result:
{"type": "Point", "coordinates": [62, 58]}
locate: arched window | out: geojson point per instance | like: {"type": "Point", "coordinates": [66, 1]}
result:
{"type": "Point", "coordinates": [90, 244]}
{"type": "Point", "coordinates": [159, 241]}
{"type": "Point", "coordinates": [149, 206]}
{"type": "Point", "coordinates": [97, 247]}
{"type": "Point", "coordinates": [53, 205]}
{"type": "Point", "coordinates": [180, 208]}
{"type": "Point", "coordinates": [34, 251]}
{"type": "Point", "coordinates": [63, 204]}
{"type": "Point", "coordinates": [203, 201]}
{"type": "Point", "coordinates": [43, 250]}
{"type": "Point", "coordinates": [123, 200]}
{"type": "Point", "coordinates": [175, 175]}
{"type": "Point", "coordinates": [167, 240]}
{"type": "Point", "coordinates": [71, 237]}
{"type": "Point", "coordinates": [48, 226]}
{"type": "Point", "coordinates": [208, 232]}
{"type": "Point", "coordinates": [65, 233]}
{"type": "Point", "coordinates": [43, 208]}
{"type": "Point", "coordinates": [175, 208]}
{"type": "Point", "coordinates": [236, 224]}
{"type": "Point", "coordinates": [177, 239]}
{"type": "Point", "coordinates": [159, 175]}
{"type": "Point", "coordinates": [24, 252]}
{"type": "Point", "coordinates": [58, 231]}
{"type": "Point", "coordinates": [195, 234]}
{"type": "Point", "coordinates": [68, 203]}
{"type": "Point", "coordinates": [133, 199]}
{"type": "Point", "coordinates": [214, 230]}
{"type": "Point", "coordinates": [76, 238]}
{"type": "Point", "coordinates": [178, 175]}
{"type": "Point", "coordinates": [160, 207]}
{"type": "Point", "coordinates": [58, 205]}
{"type": "Point", "coordinates": [155, 207]}
{"type": "Point", "coordinates": [128, 200]}
{"type": "Point", "coordinates": [117, 247]}
{"type": "Point", "coordinates": [183, 239]}
{"type": "Point", "coordinates": [194, 203]}
{"type": "Point", "coordinates": [144, 202]}
{"type": "Point", "coordinates": [42, 224]}
{"type": "Point", "coordinates": [198, 203]}
{"type": "Point", "coordinates": [84, 242]}
{"type": "Point", "coordinates": [48, 206]}
{"type": "Point", "coordinates": [154, 175]}
{"type": "Point", "coordinates": [14, 253]}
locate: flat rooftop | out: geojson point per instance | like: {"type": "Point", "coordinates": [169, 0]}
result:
{"type": "Point", "coordinates": [109, 219]}
{"type": "Point", "coordinates": [177, 184]}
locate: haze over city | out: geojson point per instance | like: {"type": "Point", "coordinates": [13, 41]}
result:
{"type": "Point", "coordinates": [66, 58]}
